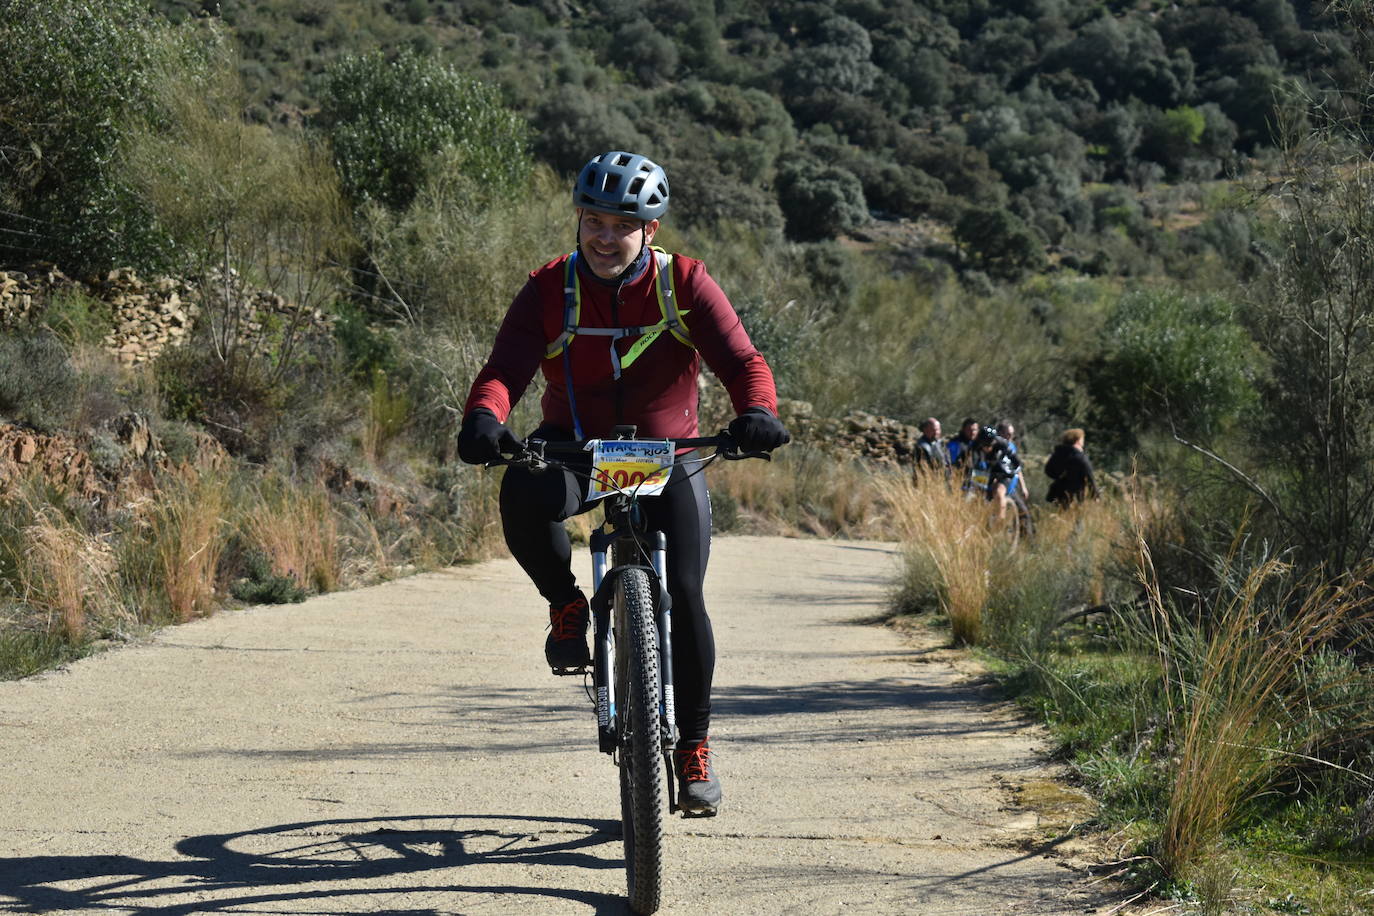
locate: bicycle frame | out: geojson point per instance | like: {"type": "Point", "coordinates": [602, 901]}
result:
{"type": "Point", "coordinates": [619, 527]}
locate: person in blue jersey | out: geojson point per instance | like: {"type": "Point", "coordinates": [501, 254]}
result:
{"type": "Point", "coordinates": [960, 446]}
{"type": "Point", "coordinates": [994, 468]}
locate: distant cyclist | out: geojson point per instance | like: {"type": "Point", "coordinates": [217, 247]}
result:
{"type": "Point", "coordinates": [994, 468]}
{"type": "Point", "coordinates": [619, 330]}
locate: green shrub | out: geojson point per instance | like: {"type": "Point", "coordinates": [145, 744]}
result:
{"type": "Point", "coordinates": [999, 242]}
{"type": "Point", "coordinates": [38, 384]}
{"type": "Point", "coordinates": [389, 118]}
{"type": "Point", "coordinates": [74, 78]}
{"type": "Point", "coordinates": [1173, 361]}
{"type": "Point", "coordinates": [451, 271]}
{"type": "Point", "coordinates": [261, 586]}
{"type": "Point", "coordinates": [819, 201]}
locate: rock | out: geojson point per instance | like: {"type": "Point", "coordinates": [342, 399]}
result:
{"type": "Point", "coordinates": [132, 431]}
{"type": "Point", "coordinates": [25, 450]}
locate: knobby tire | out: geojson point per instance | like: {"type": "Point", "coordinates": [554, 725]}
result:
{"type": "Point", "coordinates": [641, 763]}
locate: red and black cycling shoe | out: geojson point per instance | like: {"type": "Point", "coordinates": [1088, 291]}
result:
{"type": "Point", "coordinates": [566, 646]}
{"type": "Point", "coordinates": [698, 792]}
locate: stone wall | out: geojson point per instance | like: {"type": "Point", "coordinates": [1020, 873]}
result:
{"type": "Point", "coordinates": [150, 315]}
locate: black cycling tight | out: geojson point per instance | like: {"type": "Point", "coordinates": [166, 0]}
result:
{"type": "Point", "coordinates": [533, 507]}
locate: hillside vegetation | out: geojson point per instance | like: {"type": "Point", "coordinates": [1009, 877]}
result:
{"type": "Point", "coordinates": [1151, 220]}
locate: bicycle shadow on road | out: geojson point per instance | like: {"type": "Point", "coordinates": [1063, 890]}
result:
{"type": "Point", "coordinates": [367, 862]}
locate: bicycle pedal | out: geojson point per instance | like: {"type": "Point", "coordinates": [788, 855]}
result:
{"type": "Point", "coordinates": [562, 671]}
{"type": "Point", "coordinates": [699, 812]}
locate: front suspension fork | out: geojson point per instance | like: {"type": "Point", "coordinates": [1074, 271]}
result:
{"type": "Point", "coordinates": [603, 653]}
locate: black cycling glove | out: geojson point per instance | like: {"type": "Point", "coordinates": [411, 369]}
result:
{"type": "Point", "coordinates": [483, 438]}
{"type": "Point", "coordinates": [757, 430]}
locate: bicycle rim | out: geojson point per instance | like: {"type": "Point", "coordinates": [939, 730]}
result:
{"type": "Point", "coordinates": [641, 770]}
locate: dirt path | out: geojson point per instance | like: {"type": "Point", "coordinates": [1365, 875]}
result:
{"type": "Point", "coordinates": [401, 749]}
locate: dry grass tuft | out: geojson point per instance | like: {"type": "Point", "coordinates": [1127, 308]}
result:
{"type": "Point", "coordinates": [1238, 684]}
{"type": "Point", "coordinates": [948, 538]}
{"type": "Point", "coordinates": [805, 491]}
{"type": "Point", "coordinates": [186, 537]}
{"type": "Point", "coordinates": [295, 526]}
{"type": "Point", "coordinates": [66, 574]}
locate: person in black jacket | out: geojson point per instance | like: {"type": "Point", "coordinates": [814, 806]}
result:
{"type": "Point", "coordinates": [1070, 471]}
{"type": "Point", "coordinates": [931, 455]}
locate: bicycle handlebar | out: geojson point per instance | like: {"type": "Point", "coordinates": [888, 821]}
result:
{"type": "Point", "coordinates": [540, 453]}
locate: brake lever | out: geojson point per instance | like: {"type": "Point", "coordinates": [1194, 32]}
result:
{"type": "Point", "coordinates": [530, 457]}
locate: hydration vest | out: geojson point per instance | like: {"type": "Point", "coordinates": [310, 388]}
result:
{"type": "Point", "coordinates": [671, 320]}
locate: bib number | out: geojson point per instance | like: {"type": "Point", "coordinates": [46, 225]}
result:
{"type": "Point", "coordinates": [636, 466]}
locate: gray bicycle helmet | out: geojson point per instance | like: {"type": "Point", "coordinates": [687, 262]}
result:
{"type": "Point", "coordinates": [622, 183]}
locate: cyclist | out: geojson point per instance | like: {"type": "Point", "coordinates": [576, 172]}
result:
{"type": "Point", "coordinates": [994, 467]}
{"type": "Point", "coordinates": [619, 330]}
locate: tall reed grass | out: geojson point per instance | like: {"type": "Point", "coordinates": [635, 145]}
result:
{"type": "Point", "coordinates": [64, 572]}
{"type": "Point", "coordinates": [185, 537]}
{"type": "Point", "coordinates": [61, 576]}
{"type": "Point", "coordinates": [1188, 713]}
{"type": "Point", "coordinates": [803, 491]}
{"type": "Point", "coordinates": [956, 557]}
{"type": "Point", "coordinates": [294, 524]}
{"type": "Point", "coordinates": [1244, 708]}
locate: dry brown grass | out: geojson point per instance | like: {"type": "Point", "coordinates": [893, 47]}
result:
{"type": "Point", "coordinates": [295, 526]}
{"type": "Point", "coordinates": [187, 525]}
{"type": "Point", "coordinates": [66, 574]}
{"type": "Point", "coordinates": [804, 491]}
{"type": "Point", "coordinates": [948, 537]}
{"type": "Point", "coordinates": [994, 588]}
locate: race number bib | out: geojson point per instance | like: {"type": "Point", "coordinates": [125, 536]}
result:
{"type": "Point", "coordinates": [981, 477]}
{"type": "Point", "coordinates": [638, 466]}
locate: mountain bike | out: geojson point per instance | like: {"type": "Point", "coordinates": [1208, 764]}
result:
{"type": "Point", "coordinates": [1019, 523]}
{"type": "Point", "coordinates": [632, 658]}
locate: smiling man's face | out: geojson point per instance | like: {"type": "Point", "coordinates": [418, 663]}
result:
{"type": "Point", "coordinates": [610, 243]}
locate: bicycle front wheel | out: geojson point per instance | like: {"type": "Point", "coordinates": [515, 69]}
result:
{"type": "Point", "coordinates": [641, 767]}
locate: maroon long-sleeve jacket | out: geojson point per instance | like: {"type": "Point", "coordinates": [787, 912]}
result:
{"type": "Point", "coordinates": [658, 391]}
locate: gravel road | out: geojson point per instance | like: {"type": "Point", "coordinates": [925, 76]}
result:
{"type": "Point", "coordinates": [402, 749]}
